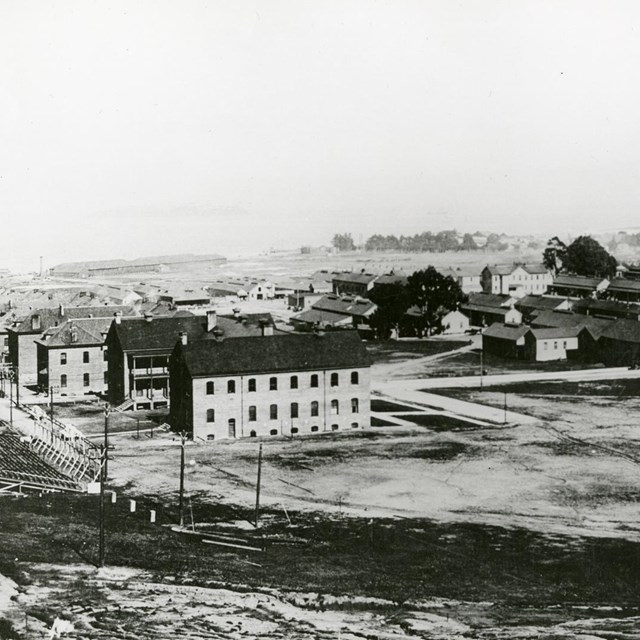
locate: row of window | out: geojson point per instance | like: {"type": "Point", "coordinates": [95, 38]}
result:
{"type": "Point", "coordinates": [293, 410]}
{"type": "Point", "coordinates": [273, 383]}
{"type": "Point", "coordinates": [86, 380]}
{"type": "Point", "coordinates": [85, 357]}
{"type": "Point", "coordinates": [274, 432]}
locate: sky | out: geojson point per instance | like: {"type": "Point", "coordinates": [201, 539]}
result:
{"type": "Point", "coordinates": [141, 127]}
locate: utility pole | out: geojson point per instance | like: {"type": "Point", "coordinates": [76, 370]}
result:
{"type": "Point", "coordinates": [51, 401]}
{"type": "Point", "coordinates": [183, 439]}
{"type": "Point", "coordinates": [258, 486]}
{"type": "Point", "coordinates": [481, 365]}
{"type": "Point", "coordinates": [107, 410]}
{"type": "Point", "coordinates": [505, 407]}
{"type": "Point", "coordinates": [103, 467]}
{"type": "Point", "coordinates": [16, 374]}
{"type": "Point", "coordinates": [11, 398]}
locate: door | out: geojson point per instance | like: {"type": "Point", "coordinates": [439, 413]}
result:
{"type": "Point", "coordinates": [232, 427]}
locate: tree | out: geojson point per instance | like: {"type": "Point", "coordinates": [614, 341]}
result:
{"type": "Point", "coordinates": [392, 301]}
{"type": "Point", "coordinates": [468, 243]}
{"type": "Point", "coordinates": [554, 255]}
{"type": "Point", "coordinates": [587, 257]}
{"type": "Point", "coordinates": [433, 294]}
{"type": "Point", "coordinates": [343, 242]}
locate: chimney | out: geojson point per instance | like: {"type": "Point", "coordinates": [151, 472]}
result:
{"type": "Point", "coordinates": [35, 322]}
{"type": "Point", "coordinates": [61, 310]}
{"type": "Point", "coordinates": [183, 337]}
{"type": "Point", "coordinates": [148, 317]}
{"type": "Point", "coordinates": [212, 320]}
{"type": "Point", "coordinates": [236, 312]}
{"type": "Point", "coordinates": [118, 317]}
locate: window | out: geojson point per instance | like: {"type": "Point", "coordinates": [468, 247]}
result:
{"type": "Point", "coordinates": [232, 427]}
{"type": "Point", "coordinates": [294, 382]}
{"type": "Point", "coordinates": [253, 413]}
{"type": "Point", "coordinates": [294, 430]}
{"type": "Point", "coordinates": [273, 384]}
{"type": "Point", "coordinates": [105, 354]}
{"type": "Point", "coordinates": [335, 407]}
{"type": "Point", "coordinates": [252, 434]}
{"type": "Point", "coordinates": [314, 380]}
{"type": "Point", "coordinates": [564, 344]}
{"type": "Point", "coordinates": [314, 429]}
{"type": "Point", "coordinates": [211, 436]}
{"type": "Point", "coordinates": [106, 377]}
{"type": "Point", "coordinates": [273, 412]}
{"type": "Point", "coordinates": [85, 357]}
{"type": "Point", "coordinates": [555, 345]}
{"type": "Point", "coordinates": [63, 380]}
{"type": "Point", "coordinates": [252, 384]}
{"type": "Point", "coordinates": [273, 432]}
{"type": "Point", "coordinates": [294, 409]}
{"type": "Point", "coordinates": [334, 379]}
{"type": "Point", "coordinates": [211, 415]}
{"type": "Point", "coordinates": [354, 425]}
{"type": "Point", "coordinates": [210, 389]}
{"type": "Point", "coordinates": [314, 408]}
{"type": "Point", "coordinates": [334, 427]}
{"type": "Point", "coordinates": [544, 345]}
{"type": "Point", "coordinates": [354, 405]}
{"type": "Point", "coordinates": [354, 377]}
{"type": "Point", "coordinates": [6, 342]}
{"type": "Point", "coordinates": [63, 358]}
{"type": "Point", "coordinates": [86, 380]}
{"type": "Point", "coordinates": [231, 386]}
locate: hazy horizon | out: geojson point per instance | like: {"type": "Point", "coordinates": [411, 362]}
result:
{"type": "Point", "coordinates": [157, 127]}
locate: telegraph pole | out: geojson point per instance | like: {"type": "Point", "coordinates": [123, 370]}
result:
{"type": "Point", "coordinates": [481, 365]}
{"type": "Point", "coordinates": [258, 485]}
{"type": "Point", "coordinates": [11, 398]}
{"type": "Point", "coordinates": [51, 401]}
{"type": "Point", "coordinates": [17, 378]}
{"type": "Point", "coordinates": [183, 438]}
{"type": "Point", "coordinates": [103, 467]}
{"type": "Point", "coordinates": [107, 410]}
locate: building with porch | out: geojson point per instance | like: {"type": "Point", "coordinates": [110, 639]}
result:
{"type": "Point", "coordinates": [138, 351]}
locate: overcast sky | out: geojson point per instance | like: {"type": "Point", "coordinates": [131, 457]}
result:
{"type": "Point", "coordinates": [139, 127]}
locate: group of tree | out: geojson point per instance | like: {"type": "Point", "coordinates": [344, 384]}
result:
{"type": "Point", "coordinates": [343, 242]}
{"type": "Point", "coordinates": [428, 294]}
{"type": "Point", "coordinates": [426, 242]}
{"type": "Point", "coordinates": [583, 257]}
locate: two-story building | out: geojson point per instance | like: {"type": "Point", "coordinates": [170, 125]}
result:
{"type": "Point", "coordinates": [138, 351]}
{"type": "Point", "coordinates": [516, 279]}
{"type": "Point", "coordinates": [353, 283]}
{"type": "Point", "coordinates": [25, 331]}
{"type": "Point", "coordinates": [72, 358]}
{"type": "Point", "coordinates": [270, 385]}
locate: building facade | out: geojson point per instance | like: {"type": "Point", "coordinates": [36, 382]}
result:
{"type": "Point", "coordinates": [518, 279]}
{"type": "Point", "coordinates": [270, 386]}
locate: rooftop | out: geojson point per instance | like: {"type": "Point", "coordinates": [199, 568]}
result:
{"type": "Point", "coordinates": [291, 352]}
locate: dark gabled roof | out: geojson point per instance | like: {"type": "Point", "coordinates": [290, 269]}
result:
{"type": "Point", "coordinates": [140, 334]}
{"type": "Point", "coordinates": [489, 299]}
{"type": "Point", "coordinates": [346, 305]}
{"type": "Point", "coordinates": [577, 282]}
{"type": "Point", "coordinates": [313, 316]}
{"type": "Point", "coordinates": [88, 331]}
{"type": "Point", "coordinates": [564, 319]}
{"type": "Point", "coordinates": [623, 330]}
{"type": "Point", "coordinates": [272, 354]}
{"type": "Point", "coordinates": [539, 302]}
{"type": "Point", "coordinates": [505, 331]}
{"type": "Point", "coordinates": [507, 269]}
{"type": "Point", "coordinates": [354, 277]}
{"type": "Point", "coordinates": [390, 278]}
{"type": "Point", "coordinates": [52, 317]}
{"type": "Point", "coordinates": [622, 285]}
{"type": "Point", "coordinates": [606, 306]}
{"type": "Point", "coordinates": [550, 333]}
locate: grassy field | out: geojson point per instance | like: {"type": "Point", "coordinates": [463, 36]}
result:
{"type": "Point", "coordinates": [391, 559]}
{"type": "Point", "coordinates": [394, 350]}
